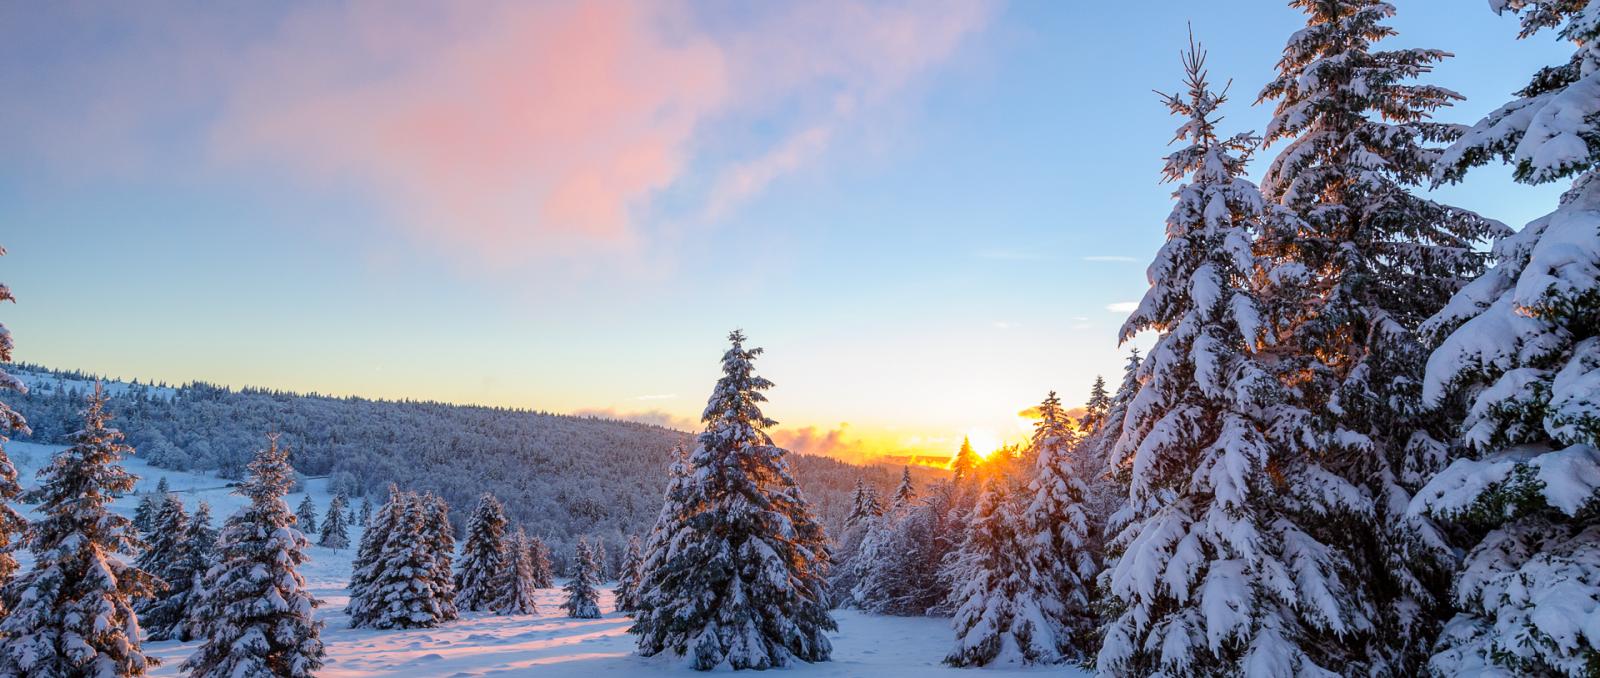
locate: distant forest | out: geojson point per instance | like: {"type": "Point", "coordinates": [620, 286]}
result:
{"type": "Point", "coordinates": [560, 476]}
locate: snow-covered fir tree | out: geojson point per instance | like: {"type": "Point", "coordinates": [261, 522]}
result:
{"type": "Point", "coordinates": [627, 592]}
{"type": "Point", "coordinates": [1095, 408]}
{"type": "Point", "coordinates": [905, 492]}
{"type": "Point", "coordinates": [1057, 535]}
{"type": "Point", "coordinates": [1351, 278]}
{"type": "Point", "coordinates": [583, 589]}
{"type": "Point", "coordinates": [904, 557]}
{"type": "Point", "coordinates": [365, 515]}
{"type": "Point", "coordinates": [307, 516]}
{"type": "Point", "coordinates": [544, 575]}
{"type": "Point", "coordinates": [997, 620]}
{"type": "Point", "coordinates": [515, 586]}
{"type": "Point", "coordinates": [12, 524]}
{"type": "Point", "coordinates": [72, 613]}
{"type": "Point", "coordinates": [1217, 574]}
{"type": "Point", "coordinates": [167, 556]}
{"type": "Point", "coordinates": [162, 488]}
{"type": "Point", "coordinates": [144, 514]}
{"type": "Point", "coordinates": [1519, 352]}
{"type": "Point", "coordinates": [186, 579]}
{"type": "Point", "coordinates": [865, 509]}
{"type": "Point", "coordinates": [743, 581]}
{"type": "Point", "coordinates": [657, 541]}
{"type": "Point", "coordinates": [366, 568]}
{"type": "Point", "coordinates": [483, 555]}
{"type": "Point", "coordinates": [258, 613]}
{"type": "Point", "coordinates": [439, 536]}
{"type": "Point", "coordinates": [335, 525]}
{"type": "Point", "coordinates": [400, 591]}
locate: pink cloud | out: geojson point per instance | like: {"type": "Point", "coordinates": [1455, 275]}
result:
{"type": "Point", "coordinates": [515, 128]}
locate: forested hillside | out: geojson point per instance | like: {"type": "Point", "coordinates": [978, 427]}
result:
{"type": "Point", "coordinates": [560, 476]}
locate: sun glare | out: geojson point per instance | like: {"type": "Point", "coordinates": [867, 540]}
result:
{"type": "Point", "coordinates": [984, 441]}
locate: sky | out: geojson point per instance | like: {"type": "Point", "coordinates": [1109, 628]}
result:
{"type": "Point", "coordinates": [929, 213]}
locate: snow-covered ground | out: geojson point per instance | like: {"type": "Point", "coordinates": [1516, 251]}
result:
{"type": "Point", "coordinates": [544, 644]}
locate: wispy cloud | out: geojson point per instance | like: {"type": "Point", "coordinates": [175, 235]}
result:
{"type": "Point", "coordinates": [656, 417]}
{"type": "Point", "coordinates": [1123, 307]}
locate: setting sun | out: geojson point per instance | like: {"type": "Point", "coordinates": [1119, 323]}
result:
{"type": "Point", "coordinates": [984, 441]}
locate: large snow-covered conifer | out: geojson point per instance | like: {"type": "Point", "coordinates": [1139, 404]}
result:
{"type": "Point", "coordinates": [627, 593]}
{"type": "Point", "coordinates": [167, 556]}
{"type": "Point", "coordinates": [439, 538]}
{"type": "Point", "coordinates": [1350, 280]}
{"type": "Point", "coordinates": [72, 613]}
{"type": "Point", "coordinates": [1057, 535]}
{"type": "Point", "coordinates": [1214, 574]}
{"type": "Point", "coordinates": [1519, 352]}
{"type": "Point", "coordinates": [515, 586]}
{"type": "Point", "coordinates": [12, 524]}
{"type": "Point", "coordinates": [306, 516]}
{"type": "Point", "coordinates": [742, 583]}
{"type": "Point", "coordinates": [257, 612]}
{"type": "Point", "coordinates": [483, 555]}
{"type": "Point", "coordinates": [544, 575]}
{"type": "Point", "coordinates": [997, 620]}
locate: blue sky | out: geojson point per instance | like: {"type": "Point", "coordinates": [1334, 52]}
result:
{"type": "Point", "coordinates": [923, 211]}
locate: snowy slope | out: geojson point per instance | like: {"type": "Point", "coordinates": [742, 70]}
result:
{"type": "Point", "coordinates": [545, 644]}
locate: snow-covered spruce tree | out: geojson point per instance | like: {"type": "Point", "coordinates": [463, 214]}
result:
{"type": "Point", "coordinates": [162, 488]}
{"type": "Point", "coordinates": [258, 612]}
{"type": "Point", "coordinates": [656, 543]}
{"type": "Point", "coordinates": [1058, 539]}
{"type": "Point", "coordinates": [998, 620]}
{"type": "Point", "coordinates": [628, 580]}
{"type": "Point", "coordinates": [1218, 574]}
{"type": "Point", "coordinates": [144, 514]}
{"type": "Point", "coordinates": [403, 592]}
{"type": "Point", "coordinates": [12, 525]}
{"type": "Point", "coordinates": [514, 587]}
{"type": "Point", "coordinates": [544, 575]}
{"type": "Point", "coordinates": [865, 508]}
{"type": "Point", "coordinates": [166, 555]}
{"type": "Point", "coordinates": [743, 582]}
{"type": "Point", "coordinates": [365, 515]}
{"type": "Point", "coordinates": [187, 579]}
{"type": "Point", "coordinates": [1110, 473]}
{"type": "Point", "coordinates": [1351, 279]}
{"type": "Point", "coordinates": [335, 527]}
{"type": "Point", "coordinates": [905, 556]}
{"type": "Point", "coordinates": [306, 515]}
{"type": "Point", "coordinates": [583, 593]}
{"type": "Point", "coordinates": [483, 555]}
{"type": "Point", "coordinates": [440, 539]}
{"type": "Point", "coordinates": [367, 566]}
{"type": "Point", "coordinates": [1519, 350]}
{"type": "Point", "coordinates": [72, 613]}
{"type": "Point", "coordinates": [1094, 409]}
{"type": "Point", "coordinates": [602, 560]}
{"type": "Point", "coordinates": [904, 493]}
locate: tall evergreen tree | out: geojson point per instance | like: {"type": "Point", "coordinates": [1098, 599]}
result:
{"type": "Point", "coordinates": [744, 577]}
{"type": "Point", "coordinates": [335, 529]}
{"type": "Point", "coordinates": [515, 585]}
{"type": "Point", "coordinates": [965, 464]}
{"type": "Point", "coordinates": [72, 613]}
{"type": "Point", "coordinates": [483, 555]}
{"type": "Point", "coordinates": [440, 538]}
{"type": "Point", "coordinates": [400, 592]}
{"type": "Point", "coordinates": [366, 512]}
{"type": "Point", "coordinates": [307, 515]}
{"type": "Point", "coordinates": [167, 556]}
{"type": "Point", "coordinates": [865, 509]}
{"type": "Point", "coordinates": [187, 579]}
{"type": "Point", "coordinates": [366, 567]}
{"type": "Point", "coordinates": [655, 544]}
{"type": "Point", "coordinates": [1353, 276]}
{"type": "Point", "coordinates": [628, 581]}
{"type": "Point", "coordinates": [906, 492]}
{"type": "Point", "coordinates": [1057, 539]}
{"type": "Point", "coordinates": [258, 612]}
{"type": "Point", "coordinates": [12, 525]}
{"type": "Point", "coordinates": [997, 619]}
{"type": "Point", "coordinates": [539, 554]}
{"type": "Point", "coordinates": [144, 514]}
{"type": "Point", "coordinates": [1094, 410]}
{"type": "Point", "coordinates": [583, 595]}
{"type": "Point", "coordinates": [1519, 352]}
{"type": "Point", "coordinates": [1216, 575]}
{"type": "Point", "coordinates": [162, 488]}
